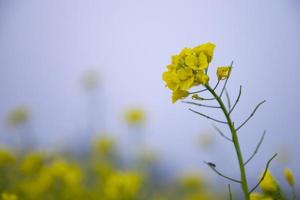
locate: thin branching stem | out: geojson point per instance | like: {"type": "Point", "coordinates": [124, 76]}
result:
{"type": "Point", "coordinates": [221, 133]}
{"type": "Point", "coordinates": [208, 117]}
{"type": "Point", "coordinates": [256, 149]}
{"type": "Point", "coordinates": [294, 193]}
{"type": "Point", "coordinates": [213, 167]}
{"type": "Point", "coordinates": [200, 91]}
{"type": "Point", "coordinates": [208, 99]}
{"type": "Point", "coordinates": [237, 100]}
{"type": "Point", "coordinates": [199, 104]}
{"type": "Point", "coordinates": [230, 194]}
{"type": "Point", "coordinates": [264, 174]}
{"type": "Point", "coordinates": [216, 85]}
{"type": "Point", "coordinates": [251, 115]}
{"type": "Point", "coordinates": [235, 140]}
{"type": "Point", "coordinates": [228, 99]}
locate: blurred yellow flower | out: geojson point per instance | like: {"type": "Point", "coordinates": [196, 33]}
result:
{"type": "Point", "coordinates": [70, 173]}
{"type": "Point", "coordinates": [58, 179]}
{"type": "Point", "coordinates": [269, 184]}
{"type": "Point", "coordinates": [223, 72]}
{"type": "Point", "coordinates": [7, 196]}
{"type": "Point", "coordinates": [104, 169]}
{"type": "Point", "coordinates": [123, 185]}
{"type": "Point", "coordinates": [258, 196]}
{"type": "Point", "coordinates": [135, 116]}
{"type": "Point", "coordinates": [32, 162]}
{"type": "Point", "coordinates": [6, 157]}
{"type": "Point", "coordinates": [206, 140]}
{"type": "Point", "coordinates": [188, 69]}
{"type": "Point", "coordinates": [18, 115]}
{"type": "Point", "coordinates": [198, 196]}
{"type": "Point", "coordinates": [90, 80]}
{"type": "Point", "coordinates": [191, 180]}
{"type": "Point", "coordinates": [104, 145]}
{"type": "Point", "coordinates": [147, 157]}
{"type": "Point", "coordinates": [289, 177]}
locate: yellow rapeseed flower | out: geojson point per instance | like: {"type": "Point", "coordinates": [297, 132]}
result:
{"type": "Point", "coordinates": [32, 163]}
{"type": "Point", "coordinates": [223, 72]}
{"type": "Point", "coordinates": [202, 78]}
{"type": "Point", "coordinates": [18, 115]}
{"type": "Point", "coordinates": [188, 69]}
{"type": "Point", "coordinates": [191, 180]}
{"type": "Point", "coordinates": [7, 196]}
{"type": "Point", "coordinates": [135, 116]}
{"type": "Point", "coordinates": [207, 49]}
{"type": "Point", "coordinates": [122, 185]}
{"type": "Point", "coordinates": [6, 157]}
{"type": "Point", "coordinates": [269, 184]}
{"type": "Point", "coordinates": [104, 145]}
{"type": "Point", "coordinates": [258, 196]}
{"type": "Point", "coordinates": [289, 177]}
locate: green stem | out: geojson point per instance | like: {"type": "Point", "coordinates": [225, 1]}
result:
{"type": "Point", "coordinates": [294, 193]}
{"type": "Point", "coordinates": [235, 141]}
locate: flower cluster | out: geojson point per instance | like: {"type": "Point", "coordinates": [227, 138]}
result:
{"type": "Point", "coordinates": [96, 175]}
{"type": "Point", "coordinates": [189, 69]}
{"type": "Point", "coordinates": [271, 188]}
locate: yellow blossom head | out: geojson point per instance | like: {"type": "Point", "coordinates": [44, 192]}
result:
{"type": "Point", "coordinates": [188, 69]}
{"type": "Point", "coordinates": [223, 72]}
{"type": "Point", "coordinates": [258, 196]}
{"type": "Point", "coordinates": [104, 145]}
{"type": "Point", "coordinates": [122, 185]}
{"type": "Point", "coordinates": [289, 177]}
{"type": "Point", "coordinates": [269, 183]}
{"type": "Point", "coordinates": [17, 116]}
{"type": "Point", "coordinates": [135, 116]}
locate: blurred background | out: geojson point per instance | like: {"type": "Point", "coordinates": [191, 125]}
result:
{"type": "Point", "coordinates": [75, 70]}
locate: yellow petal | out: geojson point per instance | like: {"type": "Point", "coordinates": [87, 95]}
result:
{"type": "Point", "coordinates": [202, 77]}
{"type": "Point", "coordinates": [208, 49]}
{"type": "Point", "coordinates": [187, 84]}
{"type": "Point", "coordinates": [203, 63]}
{"type": "Point", "coordinates": [191, 60]}
{"type": "Point", "coordinates": [179, 94]}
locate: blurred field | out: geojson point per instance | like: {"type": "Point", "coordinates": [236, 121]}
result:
{"type": "Point", "coordinates": [84, 113]}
